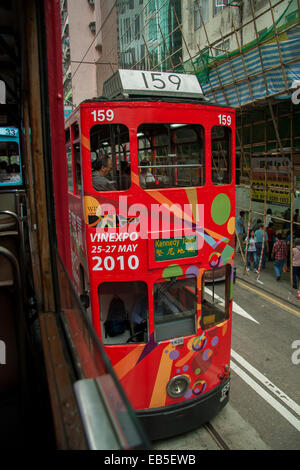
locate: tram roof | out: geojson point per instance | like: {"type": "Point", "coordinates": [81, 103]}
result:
{"type": "Point", "coordinates": [156, 99]}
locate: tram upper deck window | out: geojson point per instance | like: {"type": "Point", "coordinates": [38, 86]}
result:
{"type": "Point", "coordinates": [70, 169]}
{"type": "Point", "coordinates": [110, 157]}
{"type": "Point", "coordinates": [175, 308]}
{"type": "Point", "coordinates": [171, 155]}
{"type": "Point", "coordinates": [124, 312]}
{"type": "Point", "coordinates": [76, 148]}
{"type": "Point", "coordinates": [221, 155]}
{"type": "Point", "coordinates": [10, 169]}
{"type": "Point", "coordinates": [215, 302]}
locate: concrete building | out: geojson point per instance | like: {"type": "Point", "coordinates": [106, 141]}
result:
{"type": "Point", "coordinates": [149, 36]}
{"type": "Point", "coordinates": [89, 43]}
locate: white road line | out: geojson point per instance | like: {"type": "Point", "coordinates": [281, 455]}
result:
{"type": "Point", "coordinates": [266, 396]}
{"type": "Point", "coordinates": [266, 382]}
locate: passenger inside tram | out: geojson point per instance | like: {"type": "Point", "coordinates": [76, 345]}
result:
{"type": "Point", "coordinates": [110, 141]}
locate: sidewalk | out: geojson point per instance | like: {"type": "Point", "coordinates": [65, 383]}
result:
{"type": "Point", "coordinates": [268, 281]}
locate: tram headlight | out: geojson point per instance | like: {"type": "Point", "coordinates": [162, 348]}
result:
{"type": "Point", "coordinates": [178, 386]}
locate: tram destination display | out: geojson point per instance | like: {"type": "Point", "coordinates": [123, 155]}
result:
{"type": "Point", "coordinates": [143, 82]}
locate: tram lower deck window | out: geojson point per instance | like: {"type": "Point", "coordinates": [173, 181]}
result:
{"type": "Point", "coordinates": [123, 312]}
{"type": "Point", "coordinates": [171, 155]}
{"type": "Point", "coordinates": [215, 296]}
{"type": "Point", "coordinates": [175, 308]}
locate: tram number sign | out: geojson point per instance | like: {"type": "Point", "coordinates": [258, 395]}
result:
{"type": "Point", "coordinates": [101, 115]}
{"type": "Point", "coordinates": [165, 83]}
{"type": "Point", "coordinates": [157, 81]}
{"type": "Point", "coordinates": [9, 131]}
{"type": "Point", "coordinates": [224, 119]}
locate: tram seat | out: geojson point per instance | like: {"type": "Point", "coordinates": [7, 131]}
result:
{"type": "Point", "coordinates": [9, 240]}
{"type": "Point", "coordinates": [8, 203]}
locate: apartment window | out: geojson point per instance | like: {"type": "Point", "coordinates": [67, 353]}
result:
{"type": "Point", "coordinates": [152, 29]}
{"type": "Point", "coordinates": [222, 47]}
{"type": "Point", "coordinates": [219, 5]}
{"type": "Point", "coordinates": [151, 5]}
{"type": "Point", "coordinates": [137, 26]}
{"type": "Point", "coordinates": [204, 6]}
{"type": "Point", "coordinates": [131, 4]}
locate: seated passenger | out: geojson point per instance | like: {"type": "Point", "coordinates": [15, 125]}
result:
{"type": "Point", "coordinates": [4, 176]}
{"type": "Point", "coordinates": [125, 175]}
{"type": "Point", "coordinates": [146, 176]}
{"type": "Point", "coordinates": [102, 168]}
{"type": "Point", "coordinates": [15, 173]}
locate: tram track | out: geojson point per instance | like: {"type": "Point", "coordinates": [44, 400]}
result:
{"type": "Point", "coordinates": [216, 436]}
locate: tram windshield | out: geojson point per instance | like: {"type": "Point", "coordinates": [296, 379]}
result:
{"type": "Point", "coordinates": [175, 308]}
{"type": "Point", "coordinates": [110, 157]}
{"type": "Point", "coordinates": [171, 155]}
{"type": "Point", "coordinates": [215, 296]}
{"type": "Point", "coordinates": [124, 312]}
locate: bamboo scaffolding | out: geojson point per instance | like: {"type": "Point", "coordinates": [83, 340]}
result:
{"type": "Point", "coordinates": [285, 146]}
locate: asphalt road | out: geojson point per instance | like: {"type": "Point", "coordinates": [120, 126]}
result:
{"type": "Point", "coordinates": [263, 411]}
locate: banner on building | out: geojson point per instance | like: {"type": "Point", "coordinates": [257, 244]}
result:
{"type": "Point", "coordinates": [278, 189]}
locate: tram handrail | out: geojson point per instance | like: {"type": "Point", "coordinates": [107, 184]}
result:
{"type": "Point", "coordinates": [13, 214]}
{"type": "Point", "coordinates": [20, 221]}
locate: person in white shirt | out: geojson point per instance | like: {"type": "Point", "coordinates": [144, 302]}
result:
{"type": "Point", "coordinates": [146, 176]}
{"type": "Point", "coordinates": [251, 252]}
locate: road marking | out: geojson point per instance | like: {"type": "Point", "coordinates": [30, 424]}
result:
{"type": "Point", "coordinates": [266, 382]}
{"type": "Point", "coordinates": [271, 299]}
{"type": "Point", "coordinates": [235, 307]}
{"type": "Point", "coordinates": [266, 396]}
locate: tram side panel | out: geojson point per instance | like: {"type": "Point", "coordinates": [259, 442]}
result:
{"type": "Point", "coordinates": [164, 272]}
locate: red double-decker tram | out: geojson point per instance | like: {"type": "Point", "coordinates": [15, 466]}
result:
{"type": "Point", "coordinates": [152, 217]}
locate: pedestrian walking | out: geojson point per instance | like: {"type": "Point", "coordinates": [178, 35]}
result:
{"type": "Point", "coordinates": [240, 230]}
{"type": "Point", "coordinates": [251, 252]}
{"type": "Point", "coordinates": [279, 254]}
{"type": "Point", "coordinates": [261, 241]}
{"type": "Point", "coordinates": [296, 264]}
{"type": "Point", "coordinates": [271, 239]}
